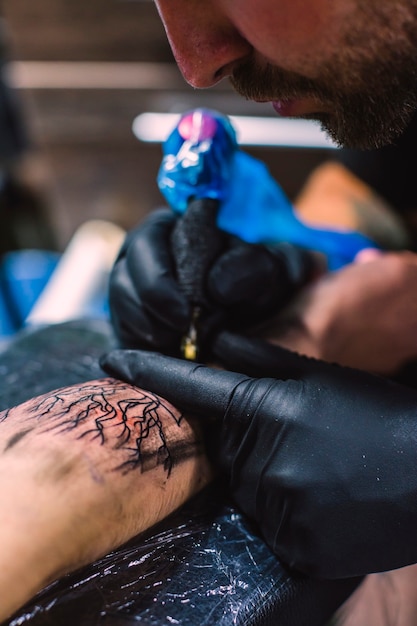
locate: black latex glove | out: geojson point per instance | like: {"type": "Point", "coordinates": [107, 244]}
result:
{"type": "Point", "coordinates": [148, 310]}
{"type": "Point", "coordinates": [323, 458]}
{"type": "Point", "coordinates": [246, 285]}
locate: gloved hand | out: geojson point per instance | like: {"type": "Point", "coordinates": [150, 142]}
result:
{"type": "Point", "coordinates": [321, 457]}
{"type": "Point", "coordinates": [148, 309]}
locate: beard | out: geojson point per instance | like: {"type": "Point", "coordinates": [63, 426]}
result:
{"type": "Point", "coordinates": [368, 88]}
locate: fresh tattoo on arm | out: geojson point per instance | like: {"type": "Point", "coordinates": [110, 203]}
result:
{"type": "Point", "coordinates": [83, 469]}
{"type": "Point", "coordinates": [133, 423]}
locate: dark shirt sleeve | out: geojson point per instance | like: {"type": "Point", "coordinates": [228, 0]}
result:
{"type": "Point", "coordinates": [13, 137]}
{"type": "Point", "coordinates": [391, 171]}
{"type": "Point", "coordinates": [14, 140]}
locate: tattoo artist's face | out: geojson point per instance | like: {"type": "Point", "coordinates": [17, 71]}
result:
{"type": "Point", "coordinates": [351, 64]}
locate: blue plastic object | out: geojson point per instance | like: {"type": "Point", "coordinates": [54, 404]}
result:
{"type": "Point", "coordinates": [198, 159]}
{"type": "Point", "coordinates": [23, 275]}
{"type": "Point", "coordinates": [202, 159]}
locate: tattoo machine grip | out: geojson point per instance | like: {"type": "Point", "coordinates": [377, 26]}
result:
{"type": "Point", "coordinates": [196, 242]}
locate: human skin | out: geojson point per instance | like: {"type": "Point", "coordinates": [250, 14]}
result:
{"type": "Point", "coordinates": [347, 63]}
{"type": "Point", "coordinates": [384, 599]}
{"type": "Point", "coordinates": [82, 470]}
{"type": "Point", "coordinates": [362, 316]}
{"type": "Point", "coordinates": [209, 39]}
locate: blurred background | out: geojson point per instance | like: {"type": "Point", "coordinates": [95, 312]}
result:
{"type": "Point", "coordinates": [81, 72]}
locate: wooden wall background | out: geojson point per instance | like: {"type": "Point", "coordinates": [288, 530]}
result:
{"type": "Point", "coordinates": [84, 154]}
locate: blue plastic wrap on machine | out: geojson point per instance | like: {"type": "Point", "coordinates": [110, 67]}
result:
{"type": "Point", "coordinates": [202, 159]}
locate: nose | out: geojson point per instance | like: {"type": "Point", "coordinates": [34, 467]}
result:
{"type": "Point", "coordinates": [205, 44]}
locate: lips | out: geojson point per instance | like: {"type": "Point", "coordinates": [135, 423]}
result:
{"type": "Point", "coordinates": [283, 107]}
{"type": "Point", "coordinates": [302, 107]}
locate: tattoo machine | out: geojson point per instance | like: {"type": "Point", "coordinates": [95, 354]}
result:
{"type": "Point", "coordinates": [217, 188]}
{"type": "Point", "coordinates": [194, 177]}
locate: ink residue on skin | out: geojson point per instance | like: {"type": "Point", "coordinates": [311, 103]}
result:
{"type": "Point", "coordinates": [16, 438]}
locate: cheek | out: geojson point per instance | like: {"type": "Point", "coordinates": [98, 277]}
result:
{"type": "Point", "coordinates": [286, 31]}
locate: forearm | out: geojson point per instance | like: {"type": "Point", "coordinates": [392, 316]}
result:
{"type": "Point", "coordinates": [351, 316]}
{"type": "Point", "coordinates": [82, 470]}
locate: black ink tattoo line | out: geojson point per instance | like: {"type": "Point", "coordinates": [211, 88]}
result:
{"type": "Point", "coordinates": [132, 427]}
{"type": "Point", "coordinates": [14, 439]}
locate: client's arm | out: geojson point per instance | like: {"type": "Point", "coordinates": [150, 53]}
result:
{"type": "Point", "coordinates": [82, 470]}
{"type": "Point", "coordinates": [362, 316]}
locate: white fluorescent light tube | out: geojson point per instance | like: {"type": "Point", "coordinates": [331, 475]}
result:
{"type": "Point", "coordinates": [251, 131]}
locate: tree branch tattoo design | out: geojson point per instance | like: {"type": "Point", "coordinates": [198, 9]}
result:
{"type": "Point", "coordinates": [142, 430]}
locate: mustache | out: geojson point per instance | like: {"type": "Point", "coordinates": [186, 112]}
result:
{"type": "Point", "coordinates": [271, 83]}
